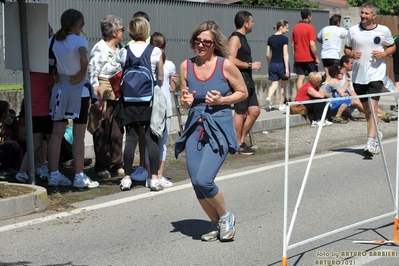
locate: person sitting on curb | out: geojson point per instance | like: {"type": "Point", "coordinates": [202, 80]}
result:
{"type": "Point", "coordinates": [331, 88]}
{"type": "Point", "coordinates": [309, 91]}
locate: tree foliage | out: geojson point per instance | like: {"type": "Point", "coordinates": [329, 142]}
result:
{"type": "Point", "coordinates": [387, 7]}
{"type": "Point", "coordinates": [281, 3]}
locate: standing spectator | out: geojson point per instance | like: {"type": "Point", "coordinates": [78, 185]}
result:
{"type": "Point", "coordinates": [104, 62]}
{"type": "Point", "coordinates": [277, 46]}
{"type": "Point", "coordinates": [304, 48]}
{"type": "Point", "coordinates": [246, 111]}
{"type": "Point", "coordinates": [70, 50]}
{"type": "Point", "coordinates": [140, 172]}
{"type": "Point", "coordinates": [132, 115]}
{"type": "Point", "coordinates": [168, 86]}
{"type": "Point", "coordinates": [309, 91]}
{"type": "Point", "coordinates": [331, 38]}
{"type": "Point", "coordinates": [209, 85]}
{"type": "Point", "coordinates": [369, 43]}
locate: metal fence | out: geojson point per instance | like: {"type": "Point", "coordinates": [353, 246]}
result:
{"type": "Point", "coordinates": [174, 19]}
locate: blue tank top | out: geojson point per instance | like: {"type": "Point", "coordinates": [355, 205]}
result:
{"type": "Point", "coordinates": [216, 80]}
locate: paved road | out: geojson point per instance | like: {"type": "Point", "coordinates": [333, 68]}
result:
{"type": "Point", "coordinates": [164, 228]}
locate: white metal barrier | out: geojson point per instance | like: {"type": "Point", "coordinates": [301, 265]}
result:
{"type": "Point", "coordinates": [395, 196]}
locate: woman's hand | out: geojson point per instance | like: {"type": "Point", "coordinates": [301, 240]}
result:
{"type": "Point", "coordinates": [78, 77]}
{"type": "Point", "coordinates": [187, 98]}
{"type": "Point", "coordinates": [213, 98]}
{"type": "Point", "coordinates": [174, 78]}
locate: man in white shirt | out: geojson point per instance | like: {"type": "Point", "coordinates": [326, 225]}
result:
{"type": "Point", "coordinates": [368, 44]}
{"type": "Point", "coordinates": [331, 38]}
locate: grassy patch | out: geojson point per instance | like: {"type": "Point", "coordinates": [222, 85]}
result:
{"type": "Point", "coordinates": [10, 87]}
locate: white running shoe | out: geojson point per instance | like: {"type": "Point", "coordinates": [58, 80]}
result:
{"type": "Point", "coordinates": [165, 183]}
{"type": "Point", "coordinates": [85, 182]}
{"type": "Point", "coordinates": [155, 185]}
{"type": "Point", "coordinates": [327, 123]}
{"type": "Point", "coordinates": [125, 184]}
{"type": "Point", "coordinates": [317, 123]}
{"type": "Point", "coordinates": [268, 104]}
{"type": "Point", "coordinates": [58, 180]}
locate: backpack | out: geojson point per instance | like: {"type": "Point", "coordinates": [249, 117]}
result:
{"type": "Point", "coordinates": [137, 82]}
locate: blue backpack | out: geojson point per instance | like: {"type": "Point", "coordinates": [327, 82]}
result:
{"type": "Point", "coordinates": [137, 81]}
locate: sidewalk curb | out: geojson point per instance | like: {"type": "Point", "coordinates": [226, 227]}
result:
{"type": "Point", "coordinates": [25, 204]}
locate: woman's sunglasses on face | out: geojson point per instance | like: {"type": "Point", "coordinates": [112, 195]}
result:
{"type": "Point", "coordinates": [205, 43]}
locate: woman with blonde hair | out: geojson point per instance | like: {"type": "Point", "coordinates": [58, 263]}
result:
{"type": "Point", "coordinates": [132, 115]}
{"type": "Point", "coordinates": [277, 59]}
{"type": "Point", "coordinates": [210, 84]}
{"type": "Point", "coordinates": [309, 91]}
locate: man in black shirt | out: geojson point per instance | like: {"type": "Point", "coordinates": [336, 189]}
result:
{"type": "Point", "coordinates": [247, 111]}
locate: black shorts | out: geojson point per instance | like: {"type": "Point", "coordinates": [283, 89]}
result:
{"type": "Point", "coordinates": [304, 68]}
{"type": "Point", "coordinates": [327, 62]}
{"type": "Point", "coordinates": [84, 111]}
{"type": "Point", "coordinates": [42, 124]}
{"type": "Point", "coordinates": [252, 100]}
{"type": "Point", "coordinates": [396, 76]}
{"type": "Point", "coordinates": [371, 88]}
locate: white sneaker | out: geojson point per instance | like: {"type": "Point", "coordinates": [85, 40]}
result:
{"type": "Point", "coordinates": [85, 182]}
{"type": "Point", "coordinates": [327, 123]}
{"type": "Point", "coordinates": [140, 174]}
{"type": "Point", "coordinates": [22, 178]}
{"type": "Point", "coordinates": [58, 180]}
{"type": "Point", "coordinates": [42, 172]}
{"type": "Point", "coordinates": [125, 184]}
{"type": "Point", "coordinates": [155, 185]}
{"type": "Point", "coordinates": [282, 108]}
{"type": "Point", "coordinates": [165, 183]}
{"type": "Point", "coordinates": [369, 150]}
{"type": "Point", "coordinates": [317, 123]}
{"type": "Point", "coordinates": [268, 104]}
{"type": "Point", "coordinates": [380, 135]}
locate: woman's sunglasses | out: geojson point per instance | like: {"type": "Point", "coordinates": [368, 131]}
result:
{"type": "Point", "coordinates": [205, 43]}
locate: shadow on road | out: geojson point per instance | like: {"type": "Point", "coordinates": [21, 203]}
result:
{"type": "Point", "coordinates": [192, 227]}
